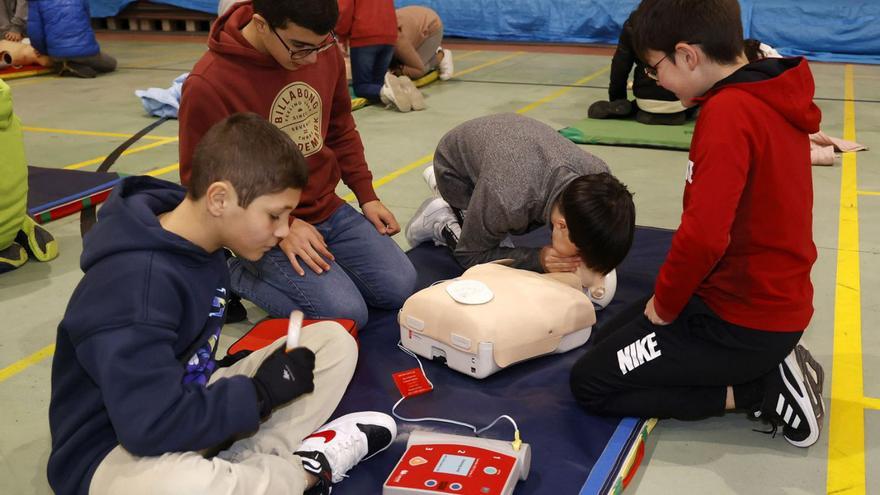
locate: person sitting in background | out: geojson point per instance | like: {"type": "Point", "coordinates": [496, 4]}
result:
{"type": "Point", "coordinates": [418, 50]}
{"type": "Point", "coordinates": [62, 29]}
{"type": "Point", "coordinates": [653, 104]}
{"type": "Point", "coordinates": [13, 19]}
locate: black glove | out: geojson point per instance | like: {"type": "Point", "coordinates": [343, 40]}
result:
{"type": "Point", "coordinates": [283, 377]}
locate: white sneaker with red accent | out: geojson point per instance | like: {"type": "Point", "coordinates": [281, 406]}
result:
{"type": "Point", "coordinates": [342, 443]}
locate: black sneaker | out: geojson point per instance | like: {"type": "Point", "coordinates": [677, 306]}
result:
{"type": "Point", "coordinates": [610, 109]}
{"type": "Point", "coordinates": [647, 118]}
{"type": "Point", "coordinates": [793, 398]}
{"type": "Point", "coordinates": [342, 443]}
{"type": "Point", "coordinates": [12, 257]}
{"type": "Point", "coordinates": [69, 68]}
{"type": "Point", "coordinates": [599, 110]}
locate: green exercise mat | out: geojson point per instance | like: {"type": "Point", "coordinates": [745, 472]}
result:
{"type": "Point", "coordinates": [613, 132]}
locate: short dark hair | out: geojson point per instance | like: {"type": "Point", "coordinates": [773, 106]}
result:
{"type": "Point", "coordinates": [713, 24]}
{"type": "Point", "coordinates": [601, 219]}
{"type": "Point", "coordinates": [255, 157]}
{"type": "Point", "coordinates": [318, 16]}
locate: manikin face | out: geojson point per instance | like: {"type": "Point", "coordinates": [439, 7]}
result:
{"type": "Point", "coordinates": [680, 72]}
{"type": "Point", "coordinates": [293, 46]}
{"type": "Point", "coordinates": [251, 232]}
{"type": "Point", "coordinates": [559, 236]}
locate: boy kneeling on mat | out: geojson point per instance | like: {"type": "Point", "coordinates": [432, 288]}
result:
{"type": "Point", "coordinates": [139, 404]}
{"type": "Point", "coordinates": [508, 174]}
{"type": "Point", "coordinates": [734, 296]}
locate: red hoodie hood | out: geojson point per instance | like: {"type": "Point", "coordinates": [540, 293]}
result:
{"type": "Point", "coordinates": [785, 84]}
{"type": "Point", "coordinates": [226, 37]}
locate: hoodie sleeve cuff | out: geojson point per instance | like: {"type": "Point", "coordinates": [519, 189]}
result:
{"type": "Point", "coordinates": [364, 192]}
{"type": "Point", "coordinates": [664, 313]}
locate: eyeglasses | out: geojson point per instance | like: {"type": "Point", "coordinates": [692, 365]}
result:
{"type": "Point", "coordinates": [651, 70]}
{"type": "Point", "coordinates": [302, 53]}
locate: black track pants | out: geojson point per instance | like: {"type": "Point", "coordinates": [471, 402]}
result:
{"type": "Point", "coordinates": [681, 370]}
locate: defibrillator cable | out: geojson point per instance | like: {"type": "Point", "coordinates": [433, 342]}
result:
{"type": "Point", "coordinates": [517, 442]}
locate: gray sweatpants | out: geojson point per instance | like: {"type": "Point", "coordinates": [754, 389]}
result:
{"type": "Point", "coordinates": [261, 463]}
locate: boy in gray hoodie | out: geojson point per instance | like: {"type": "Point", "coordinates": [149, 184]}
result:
{"type": "Point", "coordinates": [508, 174]}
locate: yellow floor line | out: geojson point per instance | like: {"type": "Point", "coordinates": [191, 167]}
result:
{"type": "Point", "coordinates": [846, 435]}
{"type": "Point", "coordinates": [393, 175]}
{"type": "Point", "coordinates": [872, 403]}
{"type": "Point", "coordinates": [163, 170]}
{"type": "Point", "coordinates": [487, 64]}
{"type": "Point", "coordinates": [869, 193]}
{"type": "Point", "coordinates": [129, 151]}
{"type": "Point", "coordinates": [562, 91]}
{"type": "Point", "coordinates": [20, 365]}
{"type": "Point", "coordinates": [464, 55]}
{"type": "Point", "coordinates": [75, 132]}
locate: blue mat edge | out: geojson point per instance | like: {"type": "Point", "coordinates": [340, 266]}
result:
{"type": "Point", "coordinates": [607, 465]}
{"type": "Point", "coordinates": [73, 197]}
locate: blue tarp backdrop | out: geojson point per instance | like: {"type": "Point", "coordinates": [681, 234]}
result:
{"type": "Point", "coordinates": [838, 30]}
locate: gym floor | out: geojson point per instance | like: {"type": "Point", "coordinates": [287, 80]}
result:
{"type": "Point", "coordinates": [74, 123]}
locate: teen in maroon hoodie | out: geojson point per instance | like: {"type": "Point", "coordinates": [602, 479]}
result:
{"type": "Point", "coordinates": [279, 59]}
{"type": "Point", "coordinates": [734, 295]}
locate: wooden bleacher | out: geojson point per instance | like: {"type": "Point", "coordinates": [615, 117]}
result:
{"type": "Point", "coordinates": [147, 16]}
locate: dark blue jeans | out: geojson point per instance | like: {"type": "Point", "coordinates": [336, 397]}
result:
{"type": "Point", "coordinates": [370, 270]}
{"type": "Point", "coordinates": [368, 67]}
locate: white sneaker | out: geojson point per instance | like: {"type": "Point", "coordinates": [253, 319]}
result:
{"type": "Point", "coordinates": [415, 96]}
{"type": "Point", "coordinates": [393, 93]}
{"type": "Point", "coordinates": [342, 443]}
{"type": "Point", "coordinates": [428, 221]}
{"type": "Point", "coordinates": [431, 180]}
{"type": "Point", "coordinates": [446, 65]}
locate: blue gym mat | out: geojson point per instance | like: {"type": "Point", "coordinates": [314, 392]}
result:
{"type": "Point", "coordinates": [568, 445]}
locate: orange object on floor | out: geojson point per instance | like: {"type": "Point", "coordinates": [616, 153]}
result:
{"type": "Point", "coordinates": [271, 329]}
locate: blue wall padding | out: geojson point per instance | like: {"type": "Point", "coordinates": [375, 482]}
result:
{"type": "Point", "coordinates": [109, 8]}
{"type": "Point", "coordinates": [834, 31]}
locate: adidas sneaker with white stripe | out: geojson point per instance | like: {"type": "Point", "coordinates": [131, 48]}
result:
{"type": "Point", "coordinates": [793, 398]}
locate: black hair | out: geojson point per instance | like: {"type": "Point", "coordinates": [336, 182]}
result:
{"type": "Point", "coordinates": [601, 217]}
{"type": "Point", "coordinates": [255, 157]}
{"type": "Point", "coordinates": [318, 16]}
{"type": "Point", "coordinates": [713, 24]}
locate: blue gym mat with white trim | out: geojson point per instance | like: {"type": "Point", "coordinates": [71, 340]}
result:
{"type": "Point", "coordinates": [572, 451]}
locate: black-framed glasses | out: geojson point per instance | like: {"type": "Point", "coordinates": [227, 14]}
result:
{"type": "Point", "coordinates": [302, 53]}
{"type": "Point", "coordinates": [651, 70]}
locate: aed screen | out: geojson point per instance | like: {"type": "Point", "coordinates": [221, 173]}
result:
{"type": "Point", "coordinates": [454, 464]}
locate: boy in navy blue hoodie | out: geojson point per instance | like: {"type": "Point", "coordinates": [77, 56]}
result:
{"type": "Point", "coordinates": [139, 404]}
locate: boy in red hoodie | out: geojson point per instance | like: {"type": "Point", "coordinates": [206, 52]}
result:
{"type": "Point", "coordinates": [733, 297]}
{"type": "Point", "coordinates": [279, 59]}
